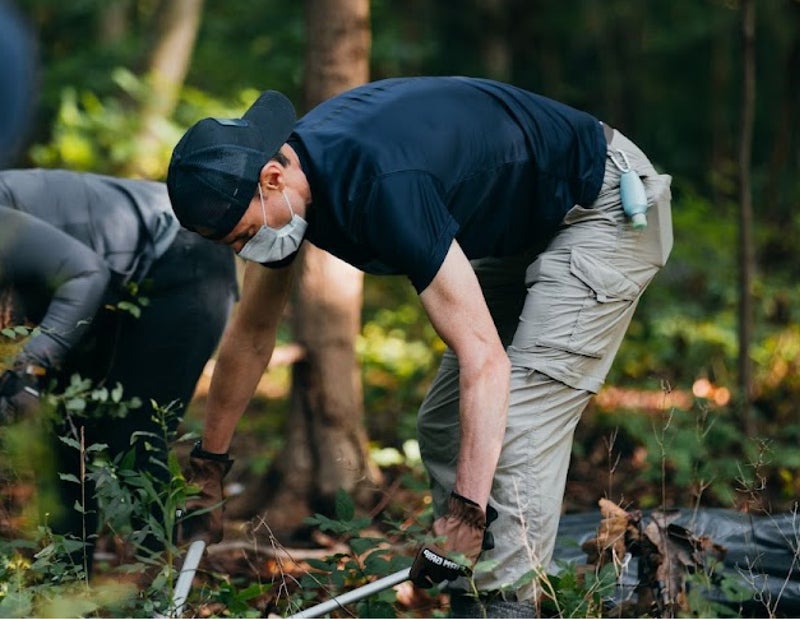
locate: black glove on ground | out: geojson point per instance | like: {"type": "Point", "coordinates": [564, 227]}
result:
{"type": "Point", "coordinates": [463, 529]}
{"type": "Point", "coordinates": [206, 470]}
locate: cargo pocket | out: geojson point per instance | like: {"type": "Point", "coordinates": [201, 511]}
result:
{"type": "Point", "coordinates": [605, 313]}
{"type": "Point", "coordinates": [576, 312]}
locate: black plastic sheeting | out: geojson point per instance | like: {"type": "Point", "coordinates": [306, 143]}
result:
{"type": "Point", "coordinates": [762, 554]}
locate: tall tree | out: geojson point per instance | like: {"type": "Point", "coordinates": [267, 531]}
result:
{"type": "Point", "coordinates": [746, 244]}
{"type": "Point", "coordinates": [326, 447]}
{"type": "Point", "coordinates": [177, 23]}
{"type": "Point", "coordinates": [786, 121]}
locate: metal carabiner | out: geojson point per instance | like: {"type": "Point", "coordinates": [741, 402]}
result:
{"type": "Point", "coordinates": [620, 167]}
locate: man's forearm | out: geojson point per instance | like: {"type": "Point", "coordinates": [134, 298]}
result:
{"type": "Point", "coordinates": [245, 351]}
{"type": "Point", "coordinates": [235, 379]}
{"type": "Point", "coordinates": [484, 411]}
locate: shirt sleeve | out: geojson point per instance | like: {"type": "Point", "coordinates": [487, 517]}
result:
{"type": "Point", "coordinates": [35, 255]}
{"type": "Point", "coordinates": [408, 226]}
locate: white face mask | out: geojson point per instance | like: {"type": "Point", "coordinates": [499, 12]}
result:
{"type": "Point", "coordinates": [273, 244]}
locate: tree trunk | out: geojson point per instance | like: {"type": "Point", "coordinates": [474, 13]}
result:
{"type": "Point", "coordinates": [746, 247]}
{"type": "Point", "coordinates": [177, 23]}
{"type": "Point", "coordinates": [326, 448]}
{"type": "Point", "coordinates": [722, 140]}
{"type": "Point", "coordinates": [784, 145]}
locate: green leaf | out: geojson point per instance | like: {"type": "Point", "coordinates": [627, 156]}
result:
{"type": "Point", "coordinates": [116, 393]}
{"type": "Point", "coordinates": [319, 564]}
{"type": "Point", "coordinates": [345, 509]}
{"type": "Point", "coordinates": [362, 545]}
{"type": "Point", "coordinates": [75, 404]}
{"type": "Point", "coordinates": [17, 604]}
{"type": "Point", "coordinates": [131, 308]}
{"type": "Point", "coordinates": [376, 565]}
{"type": "Point", "coordinates": [72, 443]}
{"type": "Point", "coordinates": [338, 578]}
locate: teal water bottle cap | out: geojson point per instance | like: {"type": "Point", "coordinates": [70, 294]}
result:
{"type": "Point", "coordinates": [639, 220]}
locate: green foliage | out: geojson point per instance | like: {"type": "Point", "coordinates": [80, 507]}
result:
{"type": "Point", "coordinates": [368, 557]}
{"type": "Point", "coordinates": [133, 300]}
{"type": "Point", "coordinates": [81, 398]}
{"type": "Point", "coordinates": [399, 353]}
{"type": "Point", "coordinates": [39, 578]}
{"type": "Point", "coordinates": [236, 601]}
{"type": "Point", "coordinates": [700, 454]}
{"type": "Point", "coordinates": [570, 594]}
{"type": "Point", "coordinates": [684, 449]}
{"type": "Point", "coordinates": [46, 573]}
{"type": "Point", "coordinates": [91, 133]}
{"type": "Point", "coordinates": [94, 132]}
{"type": "Point", "coordinates": [705, 588]}
{"type": "Point", "coordinates": [19, 331]}
{"type": "Point", "coordinates": [250, 44]}
{"type": "Point", "coordinates": [685, 326]}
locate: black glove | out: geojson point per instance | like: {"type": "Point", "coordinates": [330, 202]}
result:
{"type": "Point", "coordinates": [488, 537]}
{"type": "Point", "coordinates": [431, 566]}
{"type": "Point", "coordinates": [19, 392]}
{"type": "Point", "coordinates": [463, 529]}
{"type": "Point", "coordinates": [203, 512]}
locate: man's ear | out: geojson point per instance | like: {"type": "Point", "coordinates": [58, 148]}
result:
{"type": "Point", "coordinates": [272, 175]}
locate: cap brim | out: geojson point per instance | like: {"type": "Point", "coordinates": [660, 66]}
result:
{"type": "Point", "coordinates": [274, 116]}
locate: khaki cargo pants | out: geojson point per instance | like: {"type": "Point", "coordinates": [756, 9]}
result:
{"type": "Point", "coordinates": [562, 313]}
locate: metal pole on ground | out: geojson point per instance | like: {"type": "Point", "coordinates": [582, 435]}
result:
{"type": "Point", "coordinates": [354, 595]}
{"type": "Point", "coordinates": [185, 577]}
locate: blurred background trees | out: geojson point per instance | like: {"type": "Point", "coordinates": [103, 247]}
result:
{"type": "Point", "coordinates": [122, 79]}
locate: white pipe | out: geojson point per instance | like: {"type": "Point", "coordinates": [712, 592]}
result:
{"type": "Point", "coordinates": [186, 577]}
{"type": "Point", "coordinates": [354, 595]}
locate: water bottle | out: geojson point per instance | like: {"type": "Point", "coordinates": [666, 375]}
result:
{"type": "Point", "coordinates": [631, 190]}
{"type": "Point", "coordinates": [634, 199]}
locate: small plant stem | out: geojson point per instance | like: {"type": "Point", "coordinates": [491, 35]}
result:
{"type": "Point", "coordinates": [83, 505]}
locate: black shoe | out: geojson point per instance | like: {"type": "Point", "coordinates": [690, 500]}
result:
{"type": "Point", "coordinates": [490, 605]}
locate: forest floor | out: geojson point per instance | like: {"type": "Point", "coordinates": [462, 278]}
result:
{"type": "Point", "coordinates": [609, 467]}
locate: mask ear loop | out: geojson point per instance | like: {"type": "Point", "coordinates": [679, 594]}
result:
{"type": "Point", "coordinates": [286, 200]}
{"type": "Point", "coordinates": [263, 208]}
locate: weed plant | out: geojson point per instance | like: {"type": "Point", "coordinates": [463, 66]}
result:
{"type": "Point", "coordinates": [45, 574]}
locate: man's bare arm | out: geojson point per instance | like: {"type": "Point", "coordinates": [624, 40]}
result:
{"type": "Point", "coordinates": [457, 309]}
{"type": "Point", "coordinates": [245, 351]}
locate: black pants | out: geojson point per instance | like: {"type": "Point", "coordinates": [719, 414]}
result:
{"type": "Point", "coordinates": [156, 357]}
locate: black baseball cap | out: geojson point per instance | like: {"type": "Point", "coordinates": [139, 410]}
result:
{"type": "Point", "coordinates": [214, 170]}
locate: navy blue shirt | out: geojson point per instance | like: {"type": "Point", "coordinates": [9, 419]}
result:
{"type": "Point", "coordinates": [399, 168]}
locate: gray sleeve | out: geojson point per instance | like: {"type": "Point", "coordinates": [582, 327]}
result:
{"type": "Point", "coordinates": [36, 256]}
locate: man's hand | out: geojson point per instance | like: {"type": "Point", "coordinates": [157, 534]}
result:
{"type": "Point", "coordinates": [203, 518]}
{"type": "Point", "coordinates": [462, 529]}
{"type": "Point", "coordinates": [19, 394]}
